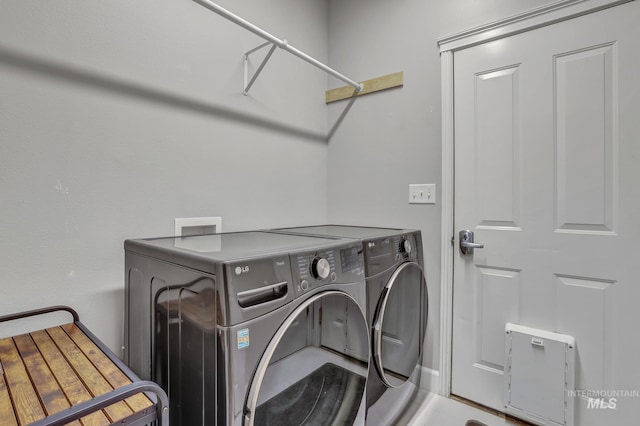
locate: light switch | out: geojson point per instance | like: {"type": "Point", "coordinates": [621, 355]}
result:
{"type": "Point", "coordinates": [422, 193]}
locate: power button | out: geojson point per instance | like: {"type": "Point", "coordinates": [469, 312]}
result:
{"type": "Point", "coordinates": [304, 285]}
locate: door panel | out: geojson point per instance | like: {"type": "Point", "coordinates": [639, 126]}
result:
{"type": "Point", "coordinates": [496, 181]}
{"type": "Point", "coordinates": [590, 322]}
{"type": "Point", "coordinates": [498, 302]}
{"type": "Point", "coordinates": [585, 100]}
{"type": "Point", "coordinates": [546, 176]}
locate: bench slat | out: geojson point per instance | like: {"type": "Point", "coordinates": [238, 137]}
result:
{"type": "Point", "coordinates": [7, 416]}
{"type": "Point", "coordinates": [43, 381]}
{"type": "Point", "coordinates": [69, 381]}
{"type": "Point", "coordinates": [26, 402]}
{"type": "Point", "coordinates": [109, 370]}
{"type": "Point", "coordinates": [90, 376]}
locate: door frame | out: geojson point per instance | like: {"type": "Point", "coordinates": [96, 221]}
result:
{"type": "Point", "coordinates": [549, 14]}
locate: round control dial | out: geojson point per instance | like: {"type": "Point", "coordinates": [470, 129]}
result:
{"type": "Point", "coordinates": [405, 246]}
{"type": "Point", "coordinates": [320, 268]}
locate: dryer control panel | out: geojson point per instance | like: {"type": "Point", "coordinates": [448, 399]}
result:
{"type": "Point", "coordinates": [343, 265]}
{"type": "Point", "coordinates": [385, 253]}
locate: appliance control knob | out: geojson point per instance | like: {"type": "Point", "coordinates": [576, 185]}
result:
{"type": "Point", "coordinates": [305, 285]}
{"type": "Point", "coordinates": [405, 246]}
{"type": "Point", "coordinates": [320, 268]}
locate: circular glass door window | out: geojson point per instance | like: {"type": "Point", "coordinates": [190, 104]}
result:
{"type": "Point", "coordinates": [400, 324]}
{"type": "Point", "coordinates": [314, 370]}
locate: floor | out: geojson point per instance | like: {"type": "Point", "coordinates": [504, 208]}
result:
{"type": "Point", "coordinates": [440, 411]}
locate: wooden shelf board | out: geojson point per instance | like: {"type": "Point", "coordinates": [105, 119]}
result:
{"type": "Point", "coordinates": [370, 86]}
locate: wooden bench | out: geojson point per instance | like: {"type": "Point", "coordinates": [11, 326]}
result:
{"type": "Point", "coordinates": [66, 375]}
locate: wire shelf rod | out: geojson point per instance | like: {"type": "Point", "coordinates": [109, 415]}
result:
{"type": "Point", "coordinates": [283, 44]}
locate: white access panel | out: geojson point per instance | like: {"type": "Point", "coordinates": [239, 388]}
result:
{"type": "Point", "coordinates": [197, 225]}
{"type": "Point", "coordinates": [539, 372]}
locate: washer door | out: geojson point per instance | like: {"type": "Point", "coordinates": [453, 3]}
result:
{"type": "Point", "coordinates": [400, 324]}
{"type": "Point", "coordinates": [314, 369]}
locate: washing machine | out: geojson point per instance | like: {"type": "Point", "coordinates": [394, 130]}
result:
{"type": "Point", "coordinates": [397, 311]}
{"type": "Point", "coordinates": [250, 328]}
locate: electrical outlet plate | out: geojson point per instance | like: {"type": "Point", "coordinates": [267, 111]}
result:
{"type": "Point", "coordinates": [424, 193]}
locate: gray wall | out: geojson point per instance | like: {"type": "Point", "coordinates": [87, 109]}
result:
{"type": "Point", "coordinates": [118, 116]}
{"type": "Point", "coordinates": [391, 139]}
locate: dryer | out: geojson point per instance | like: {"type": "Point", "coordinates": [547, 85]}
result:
{"type": "Point", "coordinates": [250, 328]}
{"type": "Point", "coordinates": [397, 311]}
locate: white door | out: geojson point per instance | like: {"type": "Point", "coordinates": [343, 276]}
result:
{"type": "Point", "coordinates": [547, 176]}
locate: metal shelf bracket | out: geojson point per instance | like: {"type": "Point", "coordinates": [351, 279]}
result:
{"type": "Point", "coordinates": [248, 82]}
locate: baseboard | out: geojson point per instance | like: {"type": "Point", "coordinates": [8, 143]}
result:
{"type": "Point", "coordinates": [430, 380]}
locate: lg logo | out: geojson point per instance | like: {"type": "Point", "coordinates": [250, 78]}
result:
{"type": "Point", "coordinates": [242, 269]}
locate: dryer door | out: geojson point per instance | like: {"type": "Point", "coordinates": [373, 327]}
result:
{"type": "Point", "coordinates": [400, 324]}
{"type": "Point", "coordinates": [301, 380]}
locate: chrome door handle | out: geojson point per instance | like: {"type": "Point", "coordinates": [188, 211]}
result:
{"type": "Point", "coordinates": [466, 242]}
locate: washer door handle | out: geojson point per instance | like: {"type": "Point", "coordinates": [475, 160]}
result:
{"type": "Point", "coordinates": [261, 295]}
{"type": "Point", "coordinates": [466, 242]}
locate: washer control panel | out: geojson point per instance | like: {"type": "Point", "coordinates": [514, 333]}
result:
{"type": "Point", "coordinates": [327, 266]}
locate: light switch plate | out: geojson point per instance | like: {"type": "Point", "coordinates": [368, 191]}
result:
{"type": "Point", "coordinates": [424, 193]}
